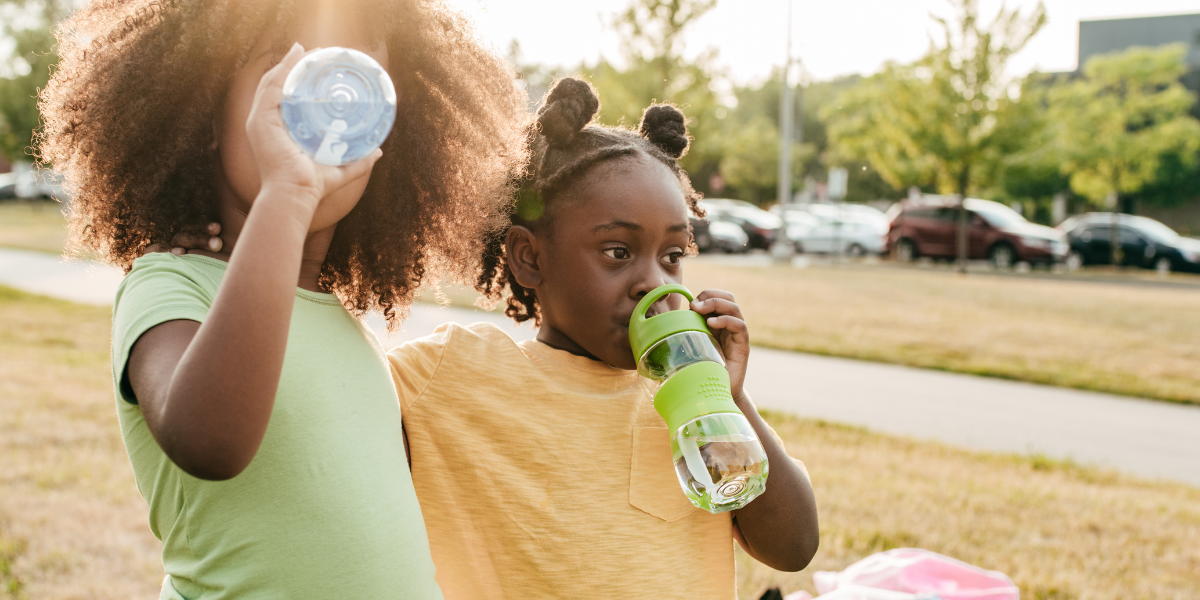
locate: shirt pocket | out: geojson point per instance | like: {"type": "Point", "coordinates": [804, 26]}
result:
{"type": "Point", "coordinates": [653, 488]}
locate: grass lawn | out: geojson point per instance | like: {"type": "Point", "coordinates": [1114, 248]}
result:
{"type": "Point", "coordinates": [1124, 339]}
{"type": "Point", "coordinates": [73, 526]}
{"type": "Point", "coordinates": [34, 225]}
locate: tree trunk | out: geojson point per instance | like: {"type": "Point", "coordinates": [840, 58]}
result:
{"type": "Point", "coordinates": [964, 179]}
{"type": "Point", "coordinates": [1114, 236]}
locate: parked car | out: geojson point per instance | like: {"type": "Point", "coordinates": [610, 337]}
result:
{"type": "Point", "coordinates": [1144, 242]}
{"type": "Point", "coordinates": [994, 231]}
{"type": "Point", "coordinates": [843, 211]}
{"type": "Point", "coordinates": [853, 238]}
{"type": "Point", "coordinates": [39, 183]}
{"type": "Point", "coordinates": [761, 227]}
{"type": "Point", "coordinates": [853, 229]}
{"type": "Point", "coordinates": [714, 234]}
{"type": "Point", "coordinates": [8, 185]}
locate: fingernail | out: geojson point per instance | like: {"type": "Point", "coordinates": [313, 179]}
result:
{"type": "Point", "coordinates": [177, 251]}
{"type": "Point", "coordinates": [214, 244]}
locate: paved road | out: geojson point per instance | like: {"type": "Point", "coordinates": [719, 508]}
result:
{"type": "Point", "coordinates": [1147, 438]}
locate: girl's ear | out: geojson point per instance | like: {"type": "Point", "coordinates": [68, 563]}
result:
{"type": "Point", "coordinates": [521, 248]}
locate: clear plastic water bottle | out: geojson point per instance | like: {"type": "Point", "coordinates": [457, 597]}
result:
{"type": "Point", "coordinates": [719, 460]}
{"type": "Point", "coordinates": [338, 104]}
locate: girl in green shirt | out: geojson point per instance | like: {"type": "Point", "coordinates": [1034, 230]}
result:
{"type": "Point", "coordinates": [258, 413]}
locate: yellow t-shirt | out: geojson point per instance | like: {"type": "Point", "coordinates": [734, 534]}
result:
{"type": "Point", "coordinates": [542, 474]}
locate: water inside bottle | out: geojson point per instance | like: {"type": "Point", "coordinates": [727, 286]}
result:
{"type": "Point", "coordinates": [719, 461]}
{"type": "Point", "coordinates": [339, 105]}
{"type": "Point", "coordinates": [675, 352]}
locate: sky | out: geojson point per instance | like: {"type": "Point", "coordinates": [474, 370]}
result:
{"type": "Point", "coordinates": [829, 37]}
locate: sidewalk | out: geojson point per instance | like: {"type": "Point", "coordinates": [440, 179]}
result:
{"type": "Point", "coordinates": [1142, 437]}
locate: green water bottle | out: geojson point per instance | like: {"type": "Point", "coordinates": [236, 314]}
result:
{"type": "Point", "coordinates": [719, 460]}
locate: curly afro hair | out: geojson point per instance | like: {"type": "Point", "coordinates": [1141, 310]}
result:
{"type": "Point", "coordinates": [128, 118]}
{"type": "Point", "coordinates": [565, 145]}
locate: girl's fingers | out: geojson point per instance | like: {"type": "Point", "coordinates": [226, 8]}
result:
{"type": "Point", "coordinates": [194, 240]}
{"type": "Point", "coordinates": [720, 306]}
{"type": "Point", "coordinates": [728, 323]}
{"type": "Point", "coordinates": [706, 294]}
{"type": "Point", "coordinates": [360, 168]}
{"type": "Point", "coordinates": [270, 87]}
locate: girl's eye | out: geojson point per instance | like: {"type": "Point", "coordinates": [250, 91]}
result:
{"type": "Point", "coordinates": [673, 258]}
{"type": "Point", "coordinates": [617, 253]}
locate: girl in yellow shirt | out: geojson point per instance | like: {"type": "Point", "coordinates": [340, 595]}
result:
{"type": "Point", "coordinates": [542, 469]}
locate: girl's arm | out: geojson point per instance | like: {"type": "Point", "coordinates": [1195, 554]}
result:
{"type": "Point", "coordinates": [207, 390]}
{"type": "Point", "coordinates": [779, 528]}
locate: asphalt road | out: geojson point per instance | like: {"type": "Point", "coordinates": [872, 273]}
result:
{"type": "Point", "coordinates": [1142, 437]}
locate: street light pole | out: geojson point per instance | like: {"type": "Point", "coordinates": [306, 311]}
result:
{"type": "Point", "coordinates": [785, 121]}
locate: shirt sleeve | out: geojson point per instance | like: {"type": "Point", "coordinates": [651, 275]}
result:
{"type": "Point", "coordinates": [160, 288]}
{"type": "Point", "coordinates": [415, 363]}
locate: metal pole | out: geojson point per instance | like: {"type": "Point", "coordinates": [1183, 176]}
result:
{"type": "Point", "coordinates": [785, 121]}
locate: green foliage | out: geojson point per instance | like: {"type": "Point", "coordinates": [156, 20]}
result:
{"type": "Point", "coordinates": [26, 70]}
{"type": "Point", "coordinates": [1118, 123]}
{"type": "Point", "coordinates": [652, 43]}
{"type": "Point", "coordinates": [751, 142]}
{"type": "Point", "coordinates": [751, 160]}
{"type": "Point", "coordinates": [942, 120]}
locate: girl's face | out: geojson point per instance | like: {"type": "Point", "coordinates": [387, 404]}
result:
{"type": "Point", "coordinates": [615, 236]}
{"type": "Point", "coordinates": [321, 27]}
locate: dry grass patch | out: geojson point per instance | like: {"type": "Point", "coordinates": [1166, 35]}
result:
{"type": "Point", "coordinates": [1060, 531]}
{"type": "Point", "coordinates": [72, 524]}
{"type": "Point", "coordinates": [36, 225]}
{"type": "Point", "coordinates": [1124, 339]}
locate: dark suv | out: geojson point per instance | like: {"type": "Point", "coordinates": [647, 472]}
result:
{"type": "Point", "coordinates": [994, 231]}
{"type": "Point", "coordinates": [1145, 243]}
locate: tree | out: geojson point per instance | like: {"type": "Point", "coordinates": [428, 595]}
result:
{"type": "Point", "coordinates": [940, 120]}
{"type": "Point", "coordinates": [652, 44]}
{"type": "Point", "coordinates": [1118, 122]}
{"type": "Point", "coordinates": [26, 70]}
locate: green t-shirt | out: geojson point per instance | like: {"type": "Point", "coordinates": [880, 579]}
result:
{"type": "Point", "coordinates": [326, 509]}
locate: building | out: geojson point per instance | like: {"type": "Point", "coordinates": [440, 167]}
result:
{"type": "Point", "coordinates": [1115, 35]}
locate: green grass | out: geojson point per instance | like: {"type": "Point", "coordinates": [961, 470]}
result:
{"type": "Point", "coordinates": [72, 524]}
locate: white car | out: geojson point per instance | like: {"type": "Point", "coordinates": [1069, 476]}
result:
{"type": "Point", "coordinates": [852, 238]}
{"type": "Point", "coordinates": [40, 183]}
{"type": "Point", "coordinates": [851, 229]}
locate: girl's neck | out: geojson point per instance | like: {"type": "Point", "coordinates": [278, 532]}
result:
{"type": "Point", "coordinates": [551, 336]}
{"type": "Point", "coordinates": [316, 246]}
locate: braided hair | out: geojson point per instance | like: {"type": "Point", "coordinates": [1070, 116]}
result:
{"type": "Point", "coordinates": [564, 146]}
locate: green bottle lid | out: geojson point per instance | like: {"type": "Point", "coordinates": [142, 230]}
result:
{"type": "Point", "coordinates": [644, 333]}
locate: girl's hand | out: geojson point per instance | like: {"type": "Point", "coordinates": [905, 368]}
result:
{"type": "Point", "coordinates": [281, 163]}
{"type": "Point", "coordinates": [724, 317]}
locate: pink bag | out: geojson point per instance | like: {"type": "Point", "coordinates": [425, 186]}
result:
{"type": "Point", "coordinates": [916, 571]}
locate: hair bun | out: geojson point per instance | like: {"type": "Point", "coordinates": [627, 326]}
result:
{"type": "Point", "coordinates": [567, 109]}
{"type": "Point", "coordinates": [665, 127]}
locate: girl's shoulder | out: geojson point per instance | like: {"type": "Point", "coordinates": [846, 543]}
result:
{"type": "Point", "coordinates": [478, 347]}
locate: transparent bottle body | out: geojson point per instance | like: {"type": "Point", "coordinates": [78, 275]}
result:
{"type": "Point", "coordinates": [719, 461]}
{"type": "Point", "coordinates": [673, 353]}
{"type": "Point", "coordinates": [338, 105]}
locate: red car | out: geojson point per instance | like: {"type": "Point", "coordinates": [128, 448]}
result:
{"type": "Point", "coordinates": [994, 231]}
